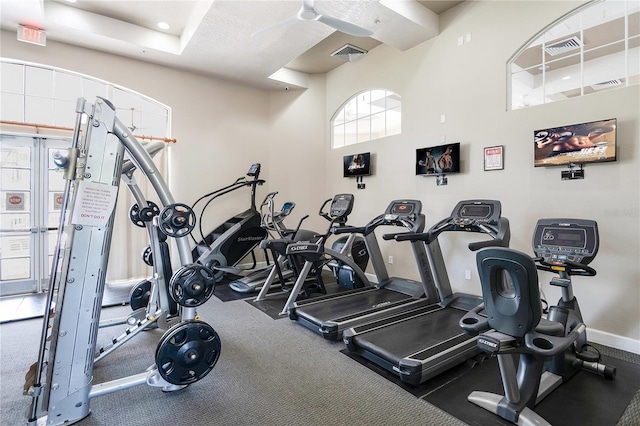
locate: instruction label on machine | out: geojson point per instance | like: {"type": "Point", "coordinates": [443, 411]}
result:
{"type": "Point", "coordinates": [94, 203]}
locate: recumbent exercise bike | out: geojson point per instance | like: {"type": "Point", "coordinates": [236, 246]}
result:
{"type": "Point", "coordinates": [510, 323]}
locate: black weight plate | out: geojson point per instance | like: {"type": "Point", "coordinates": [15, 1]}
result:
{"type": "Point", "coordinates": [140, 294]}
{"type": "Point", "coordinates": [187, 352]}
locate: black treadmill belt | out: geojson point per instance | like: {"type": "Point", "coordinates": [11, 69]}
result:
{"type": "Point", "coordinates": [348, 305]}
{"type": "Point", "coordinates": [412, 336]}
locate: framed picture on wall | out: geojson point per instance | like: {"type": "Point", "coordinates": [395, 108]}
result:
{"type": "Point", "coordinates": [494, 158]}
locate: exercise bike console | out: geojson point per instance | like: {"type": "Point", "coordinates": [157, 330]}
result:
{"type": "Point", "coordinates": [561, 241]}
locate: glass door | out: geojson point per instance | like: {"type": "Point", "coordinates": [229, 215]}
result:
{"type": "Point", "coordinates": [31, 192]}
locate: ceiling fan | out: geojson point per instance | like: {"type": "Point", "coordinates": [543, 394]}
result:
{"type": "Point", "coordinates": [308, 13]}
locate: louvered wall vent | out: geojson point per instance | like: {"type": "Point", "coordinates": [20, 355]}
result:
{"type": "Point", "coordinates": [606, 84]}
{"type": "Point", "coordinates": [563, 46]}
{"type": "Point", "coordinates": [349, 52]}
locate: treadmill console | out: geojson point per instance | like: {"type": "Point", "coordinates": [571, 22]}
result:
{"type": "Point", "coordinates": [476, 212]}
{"type": "Point", "coordinates": [403, 209]}
{"type": "Point", "coordinates": [341, 205]}
{"type": "Point", "coordinates": [254, 170]}
{"type": "Point", "coordinates": [559, 240]}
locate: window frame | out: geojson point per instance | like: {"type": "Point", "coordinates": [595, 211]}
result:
{"type": "Point", "coordinates": [353, 105]}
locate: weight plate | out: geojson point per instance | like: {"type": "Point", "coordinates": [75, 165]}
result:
{"type": "Point", "coordinates": [147, 256]}
{"type": "Point", "coordinates": [177, 220]}
{"type": "Point", "coordinates": [139, 295]}
{"type": "Point", "coordinates": [187, 352]}
{"type": "Point", "coordinates": [192, 285]}
{"type": "Point", "coordinates": [139, 216]}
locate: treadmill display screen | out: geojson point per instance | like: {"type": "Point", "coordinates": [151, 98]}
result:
{"type": "Point", "coordinates": [402, 209]}
{"type": "Point", "coordinates": [476, 211]}
{"type": "Point", "coordinates": [564, 238]}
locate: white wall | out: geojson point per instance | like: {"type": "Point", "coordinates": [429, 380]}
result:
{"type": "Point", "coordinates": [298, 151]}
{"type": "Point", "coordinates": [468, 85]}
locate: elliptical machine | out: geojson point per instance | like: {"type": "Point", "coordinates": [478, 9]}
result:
{"type": "Point", "coordinates": [224, 247]}
{"type": "Point", "coordinates": [273, 222]}
{"type": "Point", "coordinates": [551, 350]}
{"type": "Point", "coordinates": [347, 258]}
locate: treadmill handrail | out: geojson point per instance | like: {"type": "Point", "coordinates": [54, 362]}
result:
{"type": "Point", "coordinates": [499, 237]}
{"type": "Point", "coordinates": [379, 221]}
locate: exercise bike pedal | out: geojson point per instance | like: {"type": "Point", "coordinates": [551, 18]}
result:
{"type": "Point", "coordinates": [588, 355]}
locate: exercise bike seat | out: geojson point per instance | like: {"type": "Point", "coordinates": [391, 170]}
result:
{"type": "Point", "coordinates": [550, 328]}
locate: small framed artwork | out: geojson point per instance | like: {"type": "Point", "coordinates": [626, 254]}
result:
{"type": "Point", "coordinates": [494, 158]}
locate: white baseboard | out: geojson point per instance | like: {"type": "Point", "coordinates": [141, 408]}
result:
{"type": "Point", "coordinates": [613, 340]}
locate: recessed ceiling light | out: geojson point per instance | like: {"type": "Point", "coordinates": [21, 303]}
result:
{"type": "Point", "coordinates": [163, 25]}
{"type": "Point", "coordinates": [566, 77]}
{"type": "Point", "coordinates": [72, 1]}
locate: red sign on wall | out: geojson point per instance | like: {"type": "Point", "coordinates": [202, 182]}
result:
{"type": "Point", "coordinates": [32, 35]}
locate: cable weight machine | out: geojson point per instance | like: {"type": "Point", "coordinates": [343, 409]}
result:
{"type": "Point", "coordinates": [61, 386]}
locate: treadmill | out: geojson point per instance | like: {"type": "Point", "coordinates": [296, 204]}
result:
{"type": "Point", "coordinates": [422, 342]}
{"type": "Point", "coordinates": [330, 315]}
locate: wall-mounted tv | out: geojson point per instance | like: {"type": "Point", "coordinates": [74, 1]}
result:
{"type": "Point", "coordinates": [591, 142]}
{"type": "Point", "coordinates": [438, 160]}
{"type": "Point", "coordinates": [356, 165]}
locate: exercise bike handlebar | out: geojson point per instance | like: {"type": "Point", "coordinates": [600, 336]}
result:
{"type": "Point", "coordinates": [571, 267]}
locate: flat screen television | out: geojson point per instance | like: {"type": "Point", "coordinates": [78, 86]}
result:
{"type": "Point", "coordinates": [592, 142]}
{"type": "Point", "coordinates": [438, 160]}
{"type": "Point", "coordinates": [356, 164]}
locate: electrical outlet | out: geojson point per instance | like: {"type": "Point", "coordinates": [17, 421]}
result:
{"type": "Point", "coordinates": [467, 274]}
{"type": "Point", "coordinates": [390, 260]}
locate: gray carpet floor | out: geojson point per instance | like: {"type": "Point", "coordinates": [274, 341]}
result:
{"type": "Point", "coordinates": [270, 372]}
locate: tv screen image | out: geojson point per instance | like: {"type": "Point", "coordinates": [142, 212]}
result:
{"type": "Point", "coordinates": [357, 164]}
{"type": "Point", "coordinates": [591, 142]}
{"type": "Point", "coordinates": [438, 160]}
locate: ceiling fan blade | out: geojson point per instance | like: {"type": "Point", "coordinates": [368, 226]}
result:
{"type": "Point", "coordinates": [345, 27]}
{"type": "Point", "coordinates": [284, 23]}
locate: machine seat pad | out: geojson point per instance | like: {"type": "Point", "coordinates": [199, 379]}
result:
{"type": "Point", "coordinates": [550, 328]}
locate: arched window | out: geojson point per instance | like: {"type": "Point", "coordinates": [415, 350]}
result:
{"type": "Point", "coordinates": [369, 115]}
{"type": "Point", "coordinates": [596, 47]}
{"type": "Point", "coordinates": [42, 94]}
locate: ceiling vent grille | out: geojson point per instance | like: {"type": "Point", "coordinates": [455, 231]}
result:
{"type": "Point", "coordinates": [563, 46]}
{"type": "Point", "coordinates": [606, 84]}
{"type": "Point", "coordinates": [349, 52]}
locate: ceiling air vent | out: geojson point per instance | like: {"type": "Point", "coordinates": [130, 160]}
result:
{"type": "Point", "coordinates": [349, 52]}
{"type": "Point", "coordinates": [606, 84]}
{"type": "Point", "coordinates": [563, 46]}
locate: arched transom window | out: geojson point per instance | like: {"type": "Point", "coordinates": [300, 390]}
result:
{"type": "Point", "coordinates": [594, 48]}
{"type": "Point", "coordinates": [369, 115]}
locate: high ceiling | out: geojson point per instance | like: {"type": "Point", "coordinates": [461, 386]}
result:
{"type": "Point", "coordinates": [217, 37]}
